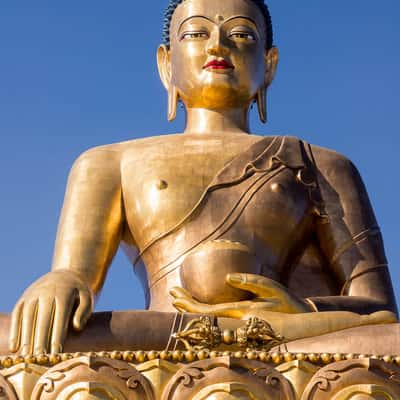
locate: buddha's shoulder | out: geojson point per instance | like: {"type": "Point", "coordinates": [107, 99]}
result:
{"type": "Point", "coordinates": [334, 165]}
{"type": "Point", "coordinates": [167, 144]}
{"type": "Point", "coordinates": [329, 157]}
{"type": "Point", "coordinates": [116, 151]}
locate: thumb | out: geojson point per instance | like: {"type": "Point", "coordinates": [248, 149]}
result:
{"type": "Point", "coordinates": [83, 311]}
{"type": "Point", "coordinates": [256, 284]}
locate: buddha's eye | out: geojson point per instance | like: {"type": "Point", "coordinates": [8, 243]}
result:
{"type": "Point", "coordinates": [242, 36]}
{"type": "Point", "coordinates": [194, 35]}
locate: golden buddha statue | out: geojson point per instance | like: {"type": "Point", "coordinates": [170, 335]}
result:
{"type": "Point", "coordinates": [216, 220]}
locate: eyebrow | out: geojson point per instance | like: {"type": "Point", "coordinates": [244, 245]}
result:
{"type": "Point", "coordinates": [194, 16]}
{"type": "Point", "coordinates": [255, 27]}
{"type": "Point", "coordinates": [241, 17]}
{"type": "Point", "coordinates": [212, 21]}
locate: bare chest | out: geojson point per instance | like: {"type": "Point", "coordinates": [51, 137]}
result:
{"type": "Point", "coordinates": [162, 186]}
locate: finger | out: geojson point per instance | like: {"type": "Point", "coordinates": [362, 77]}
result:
{"type": "Point", "coordinates": [260, 285]}
{"type": "Point", "coordinates": [180, 309]}
{"type": "Point", "coordinates": [83, 311]}
{"type": "Point", "coordinates": [190, 305]}
{"type": "Point", "coordinates": [44, 321]}
{"type": "Point", "coordinates": [231, 310]}
{"type": "Point", "coordinates": [15, 329]}
{"type": "Point", "coordinates": [180, 292]}
{"type": "Point", "coordinates": [270, 304]}
{"type": "Point", "coordinates": [28, 327]}
{"type": "Point", "coordinates": [234, 310]}
{"type": "Point", "coordinates": [62, 314]}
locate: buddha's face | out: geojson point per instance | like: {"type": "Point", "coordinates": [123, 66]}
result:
{"type": "Point", "coordinates": [217, 57]}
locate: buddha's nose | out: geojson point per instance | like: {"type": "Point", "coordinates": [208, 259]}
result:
{"type": "Point", "coordinates": [216, 46]}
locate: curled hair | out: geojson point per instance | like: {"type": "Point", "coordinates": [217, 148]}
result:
{"type": "Point", "coordinates": [173, 4]}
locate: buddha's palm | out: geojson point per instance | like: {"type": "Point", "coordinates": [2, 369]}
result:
{"type": "Point", "coordinates": [288, 315]}
{"type": "Point", "coordinates": [41, 317]}
{"type": "Point", "coordinates": [269, 296]}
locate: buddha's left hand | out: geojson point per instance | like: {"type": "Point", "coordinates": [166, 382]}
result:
{"type": "Point", "coordinates": [270, 296]}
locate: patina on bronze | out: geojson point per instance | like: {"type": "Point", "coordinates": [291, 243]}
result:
{"type": "Point", "coordinates": [217, 221]}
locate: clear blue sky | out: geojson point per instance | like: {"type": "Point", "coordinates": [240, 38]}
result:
{"type": "Point", "coordinates": [76, 74]}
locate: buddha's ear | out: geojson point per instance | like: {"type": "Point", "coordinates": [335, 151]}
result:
{"type": "Point", "coordinates": [164, 65]}
{"type": "Point", "coordinates": [164, 69]}
{"type": "Point", "coordinates": [271, 64]}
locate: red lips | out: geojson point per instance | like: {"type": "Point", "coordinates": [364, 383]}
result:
{"type": "Point", "coordinates": [219, 64]}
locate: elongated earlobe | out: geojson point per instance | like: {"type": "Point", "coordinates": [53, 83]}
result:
{"type": "Point", "coordinates": [271, 62]}
{"type": "Point", "coordinates": [262, 104]}
{"type": "Point", "coordinates": [172, 102]}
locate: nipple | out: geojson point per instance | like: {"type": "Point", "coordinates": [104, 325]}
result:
{"type": "Point", "coordinates": [161, 184]}
{"type": "Point", "coordinates": [276, 187]}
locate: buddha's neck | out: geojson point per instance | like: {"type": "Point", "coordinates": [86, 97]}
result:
{"type": "Point", "coordinates": [203, 121]}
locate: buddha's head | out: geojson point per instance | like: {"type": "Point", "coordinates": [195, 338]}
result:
{"type": "Point", "coordinates": [217, 54]}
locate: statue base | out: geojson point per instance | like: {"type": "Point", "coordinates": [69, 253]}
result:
{"type": "Point", "coordinates": [301, 370]}
{"type": "Point", "coordinates": [199, 375]}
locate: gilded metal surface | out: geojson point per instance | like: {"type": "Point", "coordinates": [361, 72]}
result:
{"type": "Point", "coordinates": [202, 333]}
{"type": "Point", "coordinates": [202, 375]}
{"type": "Point", "coordinates": [23, 377]}
{"type": "Point", "coordinates": [40, 363]}
{"type": "Point", "coordinates": [258, 334]}
{"type": "Point", "coordinates": [299, 373]}
{"type": "Point", "coordinates": [93, 378]}
{"type": "Point", "coordinates": [230, 224]}
{"type": "Point", "coordinates": [355, 380]}
{"type": "Point", "coordinates": [7, 391]}
{"type": "Point", "coordinates": [228, 378]}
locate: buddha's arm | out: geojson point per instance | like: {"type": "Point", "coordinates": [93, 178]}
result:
{"type": "Point", "coordinates": [88, 236]}
{"type": "Point", "coordinates": [299, 326]}
{"type": "Point", "coordinates": [91, 221]}
{"type": "Point", "coordinates": [290, 324]}
{"type": "Point", "coordinates": [351, 240]}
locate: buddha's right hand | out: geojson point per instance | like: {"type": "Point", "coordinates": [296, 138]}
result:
{"type": "Point", "coordinates": [41, 317]}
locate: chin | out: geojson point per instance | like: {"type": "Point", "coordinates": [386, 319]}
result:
{"type": "Point", "coordinates": [224, 96]}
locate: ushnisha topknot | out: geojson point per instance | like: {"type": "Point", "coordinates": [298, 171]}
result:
{"type": "Point", "coordinates": [173, 4]}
